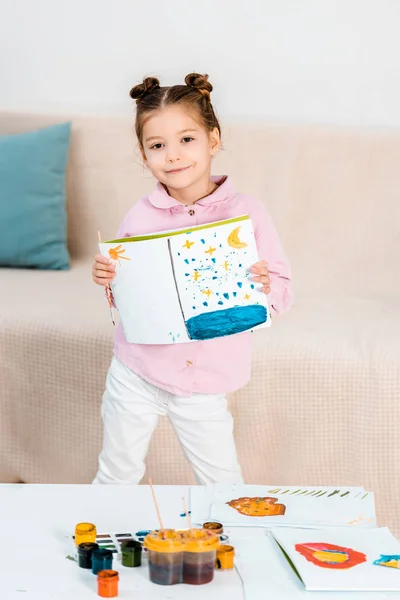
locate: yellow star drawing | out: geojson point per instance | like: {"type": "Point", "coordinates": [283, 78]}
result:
{"type": "Point", "coordinates": [196, 275]}
{"type": "Point", "coordinates": [247, 297]}
{"type": "Point", "coordinates": [225, 265]}
{"type": "Point", "coordinates": [207, 293]}
{"type": "Point", "coordinates": [210, 250]}
{"type": "Point", "coordinates": [188, 244]}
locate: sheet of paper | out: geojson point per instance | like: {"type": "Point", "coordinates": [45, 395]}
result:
{"type": "Point", "coordinates": [145, 293]}
{"type": "Point", "coordinates": [212, 271]}
{"type": "Point", "coordinates": [341, 559]}
{"type": "Point", "coordinates": [269, 506]}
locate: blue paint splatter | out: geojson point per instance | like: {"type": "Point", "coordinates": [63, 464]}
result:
{"type": "Point", "coordinates": [225, 322]}
{"type": "Point", "coordinates": [214, 259]}
{"type": "Point", "coordinates": [203, 241]}
{"type": "Point", "coordinates": [194, 308]}
{"type": "Point", "coordinates": [217, 293]}
{"type": "Point", "coordinates": [240, 265]}
{"type": "Point", "coordinates": [215, 277]}
{"type": "Point", "coordinates": [226, 296]}
{"type": "Point", "coordinates": [205, 303]}
{"type": "Point", "coordinates": [187, 261]}
{"type": "Point", "coordinates": [252, 286]}
{"type": "Point", "coordinates": [179, 253]}
{"type": "Point", "coordinates": [193, 259]}
{"type": "Point", "coordinates": [187, 274]}
{"type": "Point", "coordinates": [220, 302]}
{"type": "Point", "coordinates": [240, 284]}
{"type": "Point", "coordinates": [235, 294]}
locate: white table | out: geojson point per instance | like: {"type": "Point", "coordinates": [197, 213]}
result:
{"type": "Point", "coordinates": [38, 521]}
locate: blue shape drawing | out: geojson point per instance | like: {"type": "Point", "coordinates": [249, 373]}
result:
{"type": "Point", "coordinates": [223, 255]}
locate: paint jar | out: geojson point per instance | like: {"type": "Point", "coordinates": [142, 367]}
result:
{"type": "Point", "coordinates": [107, 583]}
{"type": "Point", "coordinates": [101, 560]}
{"type": "Point", "coordinates": [165, 552]}
{"type": "Point", "coordinates": [85, 532]}
{"type": "Point", "coordinates": [85, 551]}
{"type": "Point", "coordinates": [214, 527]}
{"type": "Point", "coordinates": [131, 553]}
{"type": "Point", "coordinates": [225, 557]}
{"type": "Point", "coordinates": [199, 556]}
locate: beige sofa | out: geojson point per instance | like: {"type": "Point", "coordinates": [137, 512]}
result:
{"type": "Point", "coordinates": [324, 403]}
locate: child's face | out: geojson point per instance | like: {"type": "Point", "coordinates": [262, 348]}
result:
{"type": "Point", "coordinates": [176, 148]}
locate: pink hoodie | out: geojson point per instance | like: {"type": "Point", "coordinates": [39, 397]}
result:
{"type": "Point", "coordinates": [219, 365]}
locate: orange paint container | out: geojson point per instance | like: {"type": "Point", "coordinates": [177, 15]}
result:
{"type": "Point", "coordinates": [107, 583]}
{"type": "Point", "coordinates": [85, 533]}
{"type": "Point", "coordinates": [225, 557]}
{"type": "Point", "coordinates": [213, 526]}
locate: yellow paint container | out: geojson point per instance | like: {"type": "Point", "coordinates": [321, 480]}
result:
{"type": "Point", "coordinates": [225, 557]}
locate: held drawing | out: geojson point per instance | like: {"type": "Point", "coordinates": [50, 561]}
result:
{"type": "Point", "coordinates": [212, 272]}
{"type": "Point", "coordinates": [195, 284]}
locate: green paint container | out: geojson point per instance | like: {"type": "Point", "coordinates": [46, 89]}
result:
{"type": "Point", "coordinates": [131, 553]}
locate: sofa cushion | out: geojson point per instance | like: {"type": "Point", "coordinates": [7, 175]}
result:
{"type": "Point", "coordinates": [32, 198]}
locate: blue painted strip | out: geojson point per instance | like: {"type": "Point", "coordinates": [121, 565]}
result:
{"type": "Point", "coordinates": [226, 322]}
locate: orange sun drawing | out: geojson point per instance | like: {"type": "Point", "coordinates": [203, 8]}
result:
{"type": "Point", "coordinates": [116, 254]}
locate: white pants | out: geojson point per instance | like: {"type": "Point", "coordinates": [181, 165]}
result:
{"type": "Point", "coordinates": [130, 411]}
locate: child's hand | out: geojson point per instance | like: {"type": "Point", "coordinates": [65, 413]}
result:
{"type": "Point", "coordinates": [261, 275]}
{"type": "Point", "coordinates": [103, 270]}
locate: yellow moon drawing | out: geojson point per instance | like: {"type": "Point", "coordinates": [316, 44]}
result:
{"type": "Point", "coordinates": [234, 241]}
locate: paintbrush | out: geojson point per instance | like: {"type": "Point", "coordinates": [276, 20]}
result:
{"type": "Point", "coordinates": [187, 514]}
{"type": "Point", "coordinates": [108, 292]}
{"type": "Point", "coordinates": [157, 508]}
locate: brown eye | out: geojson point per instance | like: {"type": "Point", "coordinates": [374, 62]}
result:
{"type": "Point", "coordinates": [156, 146]}
{"type": "Point", "coordinates": [187, 139]}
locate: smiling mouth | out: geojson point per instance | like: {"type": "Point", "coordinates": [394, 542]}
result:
{"type": "Point", "coordinates": [174, 171]}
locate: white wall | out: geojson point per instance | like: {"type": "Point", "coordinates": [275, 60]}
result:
{"type": "Point", "coordinates": [332, 61]}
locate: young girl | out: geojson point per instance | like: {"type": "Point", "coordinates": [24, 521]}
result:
{"type": "Point", "coordinates": [178, 136]}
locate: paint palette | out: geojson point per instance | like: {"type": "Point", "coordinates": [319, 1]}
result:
{"type": "Point", "coordinates": [113, 541]}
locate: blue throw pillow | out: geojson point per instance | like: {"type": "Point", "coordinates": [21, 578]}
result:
{"type": "Point", "coordinates": [33, 219]}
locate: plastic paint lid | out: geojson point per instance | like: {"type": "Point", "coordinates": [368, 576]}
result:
{"type": "Point", "coordinates": [171, 542]}
{"type": "Point", "coordinates": [108, 574]}
{"type": "Point", "coordinates": [224, 549]}
{"type": "Point", "coordinates": [200, 540]}
{"type": "Point", "coordinates": [213, 526]}
{"type": "Point", "coordinates": [84, 528]}
{"type": "Point", "coordinates": [86, 548]}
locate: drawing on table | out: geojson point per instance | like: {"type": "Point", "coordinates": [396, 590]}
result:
{"type": "Point", "coordinates": [258, 506]}
{"type": "Point", "coordinates": [388, 560]}
{"type": "Point", "coordinates": [330, 556]}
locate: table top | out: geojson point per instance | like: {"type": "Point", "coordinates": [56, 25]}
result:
{"type": "Point", "coordinates": [39, 520]}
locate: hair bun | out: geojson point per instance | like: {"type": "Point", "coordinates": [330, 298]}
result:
{"type": "Point", "coordinates": [199, 82]}
{"type": "Point", "coordinates": [149, 84]}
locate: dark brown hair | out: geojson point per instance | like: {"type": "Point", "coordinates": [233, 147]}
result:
{"type": "Point", "coordinates": [195, 96]}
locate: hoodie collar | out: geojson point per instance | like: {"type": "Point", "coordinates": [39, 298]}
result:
{"type": "Point", "coordinates": [225, 191]}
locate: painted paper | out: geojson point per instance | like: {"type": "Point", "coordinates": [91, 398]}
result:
{"type": "Point", "coordinates": [189, 284]}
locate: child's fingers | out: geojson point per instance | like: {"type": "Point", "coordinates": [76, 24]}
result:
{"type": "Point", "coordinates": [103, 260]}
{"type": "Point", "coordinates": [264, 279]}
